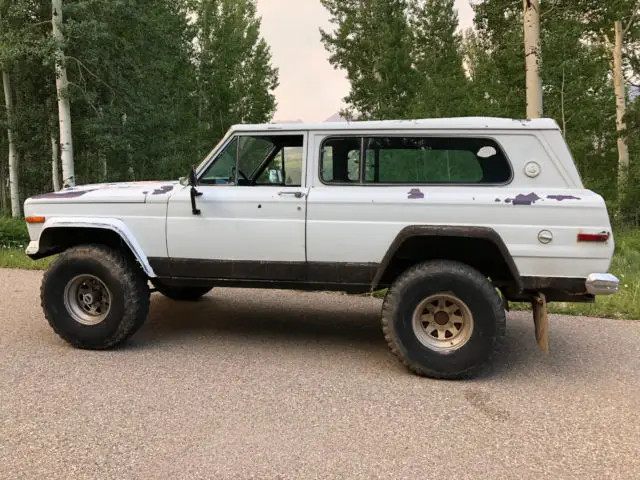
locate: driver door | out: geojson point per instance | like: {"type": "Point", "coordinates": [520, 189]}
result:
{"type": "Point", "coordinates": [253, 210]}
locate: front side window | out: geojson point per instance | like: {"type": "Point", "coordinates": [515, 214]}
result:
{"type": "Point", "coordinates": [284, 169]}
{"type": "Point", "coordinates": [258, 160]}
{"type": "Point", "coordinates": [222, 171]}
{"type": "Point", "coordinates": [252, 152]}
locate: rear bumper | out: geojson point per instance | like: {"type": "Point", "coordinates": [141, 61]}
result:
{"type": "Point", "coordinates": [568, 289]}
{"type": "Point", "coordinates": [601, 284]}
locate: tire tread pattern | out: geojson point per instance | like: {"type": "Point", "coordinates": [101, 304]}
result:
{"type": "Point", "coordinates": [394, 296]}
{"type": "Point", "coordinates": [134, 284]}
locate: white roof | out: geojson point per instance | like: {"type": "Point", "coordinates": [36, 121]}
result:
{"type": "Point", "coordinates": [458, 123]}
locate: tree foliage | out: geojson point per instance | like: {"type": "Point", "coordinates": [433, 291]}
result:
{"type": "Point", "coordinates": [235, 76]}
{"type": "Point", "coordinates": [482, 72]}
{"type": "Point", "coordinates": [372, 42]}
{"type": "Point", "coordinates": [146, 100]}
{"type": "Point", "coordinates": [443, 87]}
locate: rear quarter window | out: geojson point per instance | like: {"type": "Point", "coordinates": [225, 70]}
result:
{"type": "Point", "coordinates": [444, 160]}
{"type": "Point", "coordinates": [413, 160]}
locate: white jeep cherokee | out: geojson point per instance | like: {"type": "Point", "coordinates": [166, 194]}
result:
{"type": "Point", "coordinates": [455, 217]}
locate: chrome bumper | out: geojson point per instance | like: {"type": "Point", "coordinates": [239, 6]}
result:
{"type": "Point", "coordinates": [602, 284]}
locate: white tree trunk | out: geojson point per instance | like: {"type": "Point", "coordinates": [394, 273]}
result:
{"type": "Point", "coordinates": [533, 57]}
{"type": "Point", "coordinates": [55, 174]}
{"type": "Point", "coordinates": [3, 187]}
{"type": "Point", "coordinates": [618, 81]}
{"type": "Point", "coordinates": [64, 107]}
{"type": "Point", "coordinates": [14, 191]}
{"type": "Point", "coordinates": [105, 168]}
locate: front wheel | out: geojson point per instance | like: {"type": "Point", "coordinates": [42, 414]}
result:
{"type": "Point", "coordinates": [94, 297]}
{"type": "Point", "coordinates": [443, 319]}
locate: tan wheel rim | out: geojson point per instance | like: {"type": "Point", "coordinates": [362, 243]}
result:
{"type": "Point", "coordinates": [442, 322]}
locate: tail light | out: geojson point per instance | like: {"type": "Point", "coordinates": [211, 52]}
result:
{"type": "Point", "coordinates": [593, 237]}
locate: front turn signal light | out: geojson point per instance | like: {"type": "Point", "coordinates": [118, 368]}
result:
{"type": "Point", "coordinates": [35, 219]}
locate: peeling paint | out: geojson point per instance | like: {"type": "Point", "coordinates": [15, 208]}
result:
{"type": "Point", "coordinates": [162, 190]}
{"type": "Point", "coordinates": [522, 199]}
{"type": "Point", "coordinates": [415, 193]}
{"type": "Point", "coordinates": [64, 194]}
{"type": "Point", "coordinates": [562, 197]}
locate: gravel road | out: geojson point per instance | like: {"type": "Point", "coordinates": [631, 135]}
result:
{"type": "Point", "coordinates": [237, 387]}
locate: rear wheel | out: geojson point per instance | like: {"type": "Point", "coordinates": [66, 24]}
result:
{"type": "Point", "coordinates": [94, 297]}
{"type": "Point", "coordinates": [186, 294]}
{"type": "Point", "coordinates": [443, 319]}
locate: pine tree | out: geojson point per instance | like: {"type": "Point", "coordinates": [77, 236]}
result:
{"type": "Point", "coordinates": [235, 76]}
{"type": "Point", "coordinates": [443, 89]}
{"type": "Point", "coordinates": [372, 43]}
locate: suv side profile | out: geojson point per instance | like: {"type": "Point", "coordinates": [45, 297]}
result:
{"type": "Point", "coordinates": [453, 217]}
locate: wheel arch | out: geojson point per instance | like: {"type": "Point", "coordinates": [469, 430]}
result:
{"type": "Point", "coordinates": [449, 243]}
{"type": "Point", "coordinates": [59, 234]}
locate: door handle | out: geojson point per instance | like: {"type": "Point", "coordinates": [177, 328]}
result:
{"type": "Point", "coordinates": [293, 194]}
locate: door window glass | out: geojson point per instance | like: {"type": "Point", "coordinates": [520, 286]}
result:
{"type": "Point", "coordinates": [258, 160]}
{"type": "Point", "coordinates": [284, 169]}
{"type": "Point", "coordinates": [221, 171]}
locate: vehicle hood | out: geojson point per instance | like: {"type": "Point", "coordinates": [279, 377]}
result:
{"type": "Point", "coordinates": [122, 192]}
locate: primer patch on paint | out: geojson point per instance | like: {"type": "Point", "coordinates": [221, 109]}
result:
{"type": "Point", "coordinates": [522, 199]}
{"type": "Point", "coordinates": [562, 197]}
{"type": "Point", "coordinates": [64, 194]}
{"type": "Point", "coordinates": [162, 190]}
{"type": "Point", "coordinates": [415, 193]}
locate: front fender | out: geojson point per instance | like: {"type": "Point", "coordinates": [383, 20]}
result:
{"type": "Point", "coordinates": [33, 250]}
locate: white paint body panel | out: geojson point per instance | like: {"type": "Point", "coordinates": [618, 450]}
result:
{"type": "Point", "coordinates": [105, 223]}
{"type": "Point", "coordinates": [238, 223]}
{"type": "Point", "coordinates": [357, 224]}
{"type": "Point", "coordinates": [364, 220]}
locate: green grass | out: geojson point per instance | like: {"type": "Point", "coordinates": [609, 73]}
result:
{"type": "Point", "coordinates": [14, 238]}
{"type": "Point", "coordinates": [16, 258]}
{"type": "Point", "coordinates": [626, 302]}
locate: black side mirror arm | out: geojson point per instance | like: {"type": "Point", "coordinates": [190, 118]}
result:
{"type": "Point", "coordinates": [193, 181]}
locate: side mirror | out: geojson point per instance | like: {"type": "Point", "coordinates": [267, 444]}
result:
{"type": "Point", "coordinates": [193, 180]}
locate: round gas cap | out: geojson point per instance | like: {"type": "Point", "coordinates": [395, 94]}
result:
{"type": "Point", "coordinates": [532, 169]}
{"type": "Point", "coordinates": [545, 236]}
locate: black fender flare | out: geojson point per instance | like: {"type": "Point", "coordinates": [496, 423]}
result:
{"type": "Point", "coordinates": [484, 233]}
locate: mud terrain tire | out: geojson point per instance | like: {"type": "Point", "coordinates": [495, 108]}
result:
{"type": "Point", "coordinates": [73, 296]}
{"type": "Point", "coordinates": [443, 319]}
